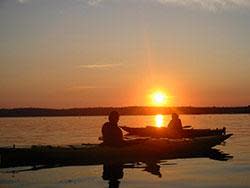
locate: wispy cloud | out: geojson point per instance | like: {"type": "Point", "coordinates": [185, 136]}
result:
{"type": "Point", "coordinates": [76, 88]}
{"type": "Point", "coordinates": [207, 4]}
{"type": "Point", "coordinates": [211, 5]}
{"type": "Point", "coordinates": [81, 87]}
{"type": "Point", "coordinates": [94, 2]}
{"type": "Point", "coordinates": [23, 1]}
{"type": "Point", "coordinates": [89, 2]}
{"type": "Point", "coordinates": [100, 66]}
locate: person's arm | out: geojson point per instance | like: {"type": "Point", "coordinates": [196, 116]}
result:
{"type": "Point", "coordinates": [104, 132]}
{"type": "Point", "coordinates": [180, 125]}
{"type": "Point", "coordinates": [118, 134]}
{"type": "Point", "coordinates": [121, 134]}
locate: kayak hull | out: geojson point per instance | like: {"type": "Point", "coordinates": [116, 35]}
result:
{"type": "Point", "coordinates": [93, 153]}
{"type": "Point", "coordinates": [162, 132]}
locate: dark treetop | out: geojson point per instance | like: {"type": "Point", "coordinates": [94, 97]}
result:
{"type": "Point", "coordinates": [99, 111]}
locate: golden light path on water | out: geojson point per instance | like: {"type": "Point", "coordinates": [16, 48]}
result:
{"type": "Point", "coordinates": [159, 120]}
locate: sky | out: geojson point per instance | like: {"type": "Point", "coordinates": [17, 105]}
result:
{"type": "Point", "coordinates": [91, 53]}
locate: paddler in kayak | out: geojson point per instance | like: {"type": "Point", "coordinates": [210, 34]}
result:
{"type": "Point", "coordinates": [175, 124]}
{"type": "Point", "coordinates": [111, 133]}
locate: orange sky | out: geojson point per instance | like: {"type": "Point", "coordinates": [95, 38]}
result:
{"type": "Point", "coordinates": [116, 53]}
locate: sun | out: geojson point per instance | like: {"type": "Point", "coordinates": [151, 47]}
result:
{"type": "Point", "coordinates": [159, 98]}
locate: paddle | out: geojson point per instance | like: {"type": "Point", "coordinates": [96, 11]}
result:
{"type": "Point", "coordinates": [126, 138]}
{"type": "Point", "coordinates": [187, 126]}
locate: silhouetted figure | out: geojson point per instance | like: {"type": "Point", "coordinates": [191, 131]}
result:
{"type": "Point", "coordinates": [113, 172]}
{"type": "Point", "coordinates": [175, 123]}
{"type": "Point", "coordinates": [111, 133]}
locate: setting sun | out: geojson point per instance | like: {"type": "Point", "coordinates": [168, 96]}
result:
{"type": "Point", "coordinates": [159, 98]}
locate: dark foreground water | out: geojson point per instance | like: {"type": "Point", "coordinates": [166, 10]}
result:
{"type": "Point", "coordinates": [231, 171]}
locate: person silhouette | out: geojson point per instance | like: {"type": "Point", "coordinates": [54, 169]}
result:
{"type": "Point", "coordinates": [175, 124]}
{"type": "Point", "coordinates": [111, 133]}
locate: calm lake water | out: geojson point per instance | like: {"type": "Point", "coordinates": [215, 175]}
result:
{"type": "Point", "coordinates": [192, 172]}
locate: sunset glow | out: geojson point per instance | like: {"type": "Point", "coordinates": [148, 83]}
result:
{"type": "Point", "coordinates": [159, 98]}
{"type": "Point", "coordinates": [96, 53]}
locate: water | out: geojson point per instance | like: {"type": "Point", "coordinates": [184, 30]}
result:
{"type": "Point", "coordinates": [194, 172]}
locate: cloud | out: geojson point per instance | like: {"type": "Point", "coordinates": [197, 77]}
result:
{"type": "Point", "coordinates": [205, 4]}
{"type": "Point", "coordinates": [89, 2]}
{"type": "Point", "coordinates": [94, 2]}
{"type": "Point", "coordinates": [208, 4]}
{"type": "Point", "coordinates": [23, 1]}
{"type": "Point", "coordinates": [212, 5]}
{"type": "Point", "coordinates": [100, 66]}
{"type": "Point", "coordinates": [82, 87]}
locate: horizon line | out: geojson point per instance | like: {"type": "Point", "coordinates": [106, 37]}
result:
{"type": "Point", "coordinates": [132, 106]}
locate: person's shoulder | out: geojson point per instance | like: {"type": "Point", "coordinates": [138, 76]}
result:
{"type": "Point", "coordinates": [171, 121]}
{"type": "Point", "coordinates": [106, 125]}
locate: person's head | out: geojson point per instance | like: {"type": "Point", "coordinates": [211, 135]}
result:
{"type": "Point", "coordinates": [175, 116]}
{"type": "Point", "coordinates": [114, 117]}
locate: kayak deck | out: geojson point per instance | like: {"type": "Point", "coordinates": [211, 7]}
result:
{"type": "Point", "coordinates": [163, 132]}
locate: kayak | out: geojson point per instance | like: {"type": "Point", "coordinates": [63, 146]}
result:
{"type": "Point", "coordinates": [138, 150]}
{"type": "Point", "coordinates": [31, 165]}
{"type": "Point", "coordinates": [163, 132]}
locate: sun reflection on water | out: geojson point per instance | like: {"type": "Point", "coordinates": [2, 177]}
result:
{"type": "Point", "coordinates": [159, 120]}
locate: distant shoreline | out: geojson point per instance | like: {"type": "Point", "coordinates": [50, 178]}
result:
{"type": "Point", "coordinates": [133, 110]}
